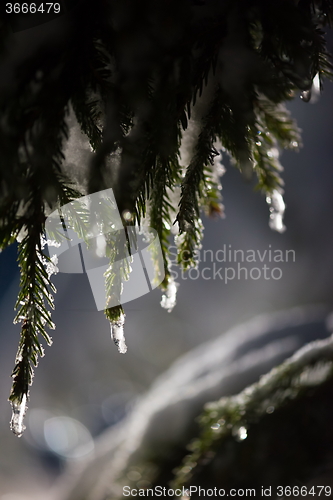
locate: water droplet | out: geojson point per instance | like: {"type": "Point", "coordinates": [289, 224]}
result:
{"type": "Point", "coordinates": [187, 469]}
{"type": "Point", "coordinates": [270, 409]}
{"type": "Point", "coordinates": [258, 143]}
{"type": "Point", "coordinates": [273, 153]}
{"type": "Point", "coordinates": [127, 215]}
{"type": "Point", "coordinates": [133, 475]}
{"type": "Point", "coordinates": [117, 334]}
{"type": "Point", "coordinates": [294, 144]}
{"type": "Point", "coordinates": [18, 412]}
{"type": "Point", "coordinates": [215, 427]}
{"type": "Point", "coordinates": [306, 95]}
{"type": "Point", "coordinates": [241, 433]}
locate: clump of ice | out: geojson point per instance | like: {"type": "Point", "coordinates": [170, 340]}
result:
{"type": "Point", "coordinates": [18, 412]}
{"type": "Point", "coordinates": [117, 334]}
{"type": "Point", "coordinates": [169, 298]}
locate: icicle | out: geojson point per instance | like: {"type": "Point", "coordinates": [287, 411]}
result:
{"type": "Point", "coordinates": [276, 208]}
{"type": "Point", "coordinates": [117, 333]}
{"type": "Point", "coordinates": [18, 412]}
{"type": "Point", "coordinates": [168, 301]}
{"type": "Point", "coordinates": [315, 88]}
{"type": "Point", "coordinates": [313, 93]}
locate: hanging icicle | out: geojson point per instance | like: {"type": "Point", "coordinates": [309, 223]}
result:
{"type": "Point", "coordinates": [169, 298]}
{"type": "Point", "coordinates": [277, 208]}
{"type": "Point", "coordinates": [117, 333]}
{"type": "Point", "coordinates": [18, 412]}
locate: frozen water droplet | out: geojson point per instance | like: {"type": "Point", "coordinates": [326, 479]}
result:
{"type": "Point", "coordinates": [18, 412]}
{"type": "Point", "coordinates": [315, 89]}
{"type": "Point", "coordinates": [273, 153]}
{"type": "Point", "coordinates": [127, 215]}
{"type": "Point", "coordinates": [117, 334]}
{"type": "Point", "coordinates": [166, 225]}
{"type": "Point", "coordinates": [306, 95]}
{"type": "Point", "coordinates": [277, 208]}
{"type": "Point", "coordinates": [169, 298]}
{"type": "Point", "coordinates": [240, 433]}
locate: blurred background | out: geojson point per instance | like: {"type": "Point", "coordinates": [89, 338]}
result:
{"type": "Point", "coordinates": [83, 385]}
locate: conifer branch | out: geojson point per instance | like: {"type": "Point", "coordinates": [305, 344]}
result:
{"type": "Point", "coordinates": [119, 245]}
{"type": "Point", "coordinates": [131, 100]}
{"type": "Point", "coordinates": [211, 199]}
{"type": "Point", "coordinates": [34, 296]}
{"type": "Point", "coordinates": [165, 177]}
{"type": "Point", "coordinates": [235, 415]}
{"type": "Point", "coordinates": [218, 123]}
